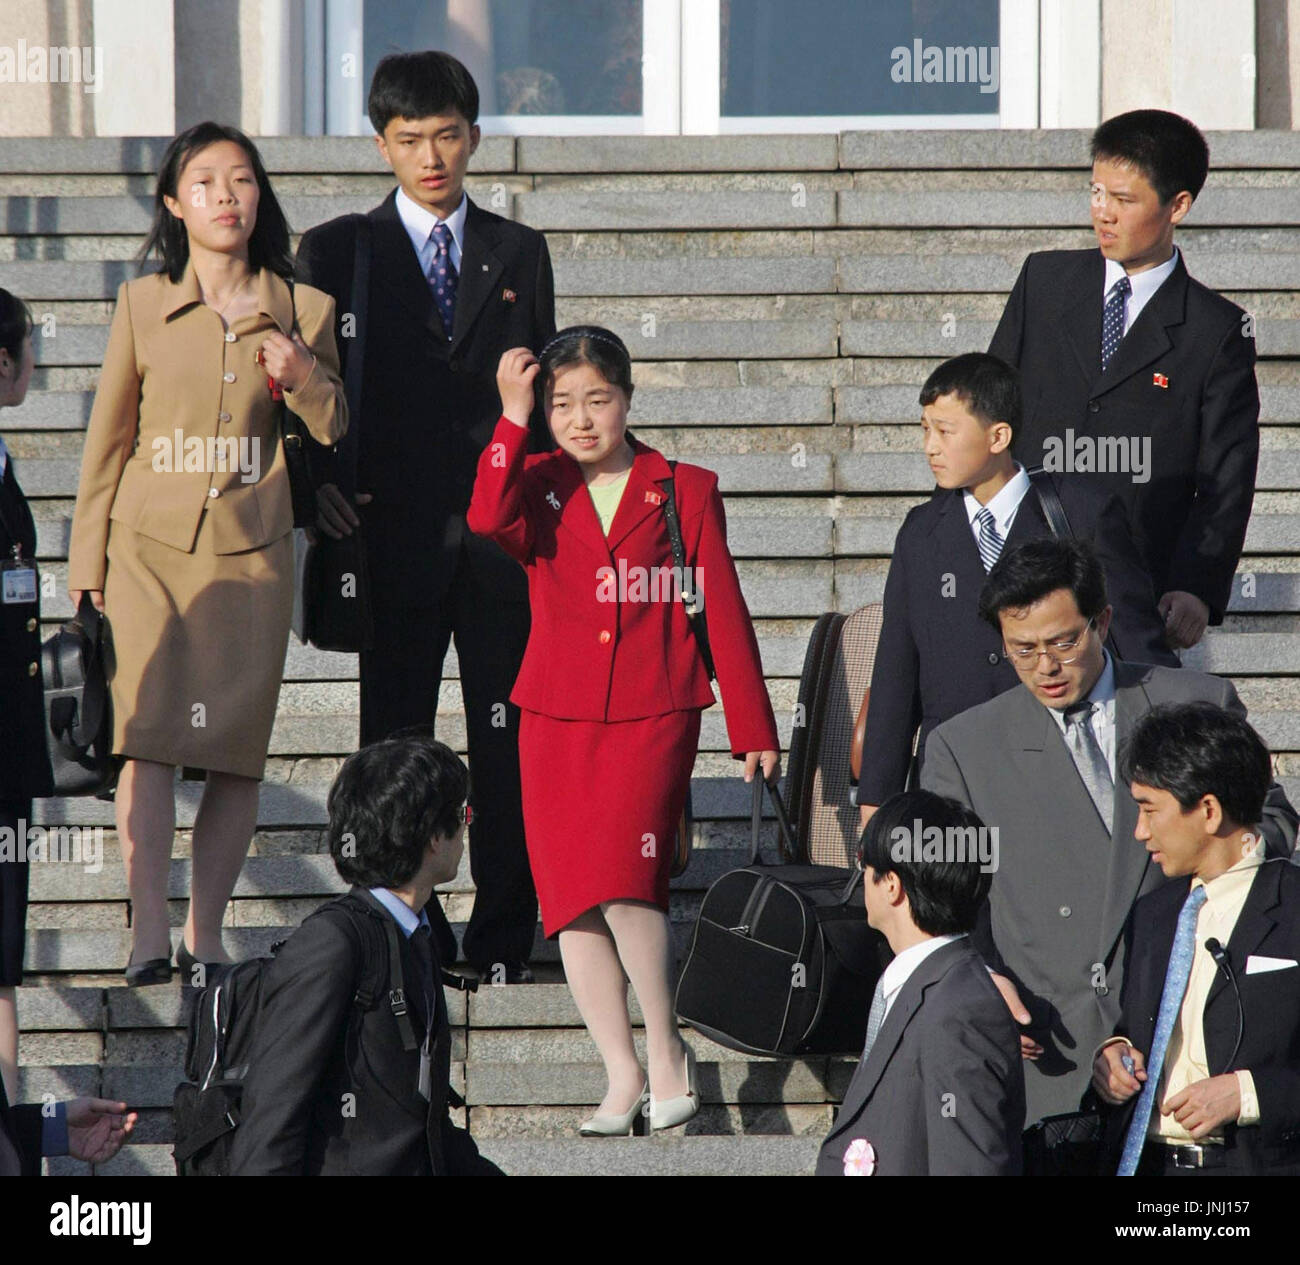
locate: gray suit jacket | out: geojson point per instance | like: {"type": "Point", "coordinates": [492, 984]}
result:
{"type": "Point", "coordinates": [1064, 885]}
{"type": "Point", "coordinates": [942, 1092]}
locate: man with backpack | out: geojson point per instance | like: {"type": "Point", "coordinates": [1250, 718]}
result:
{"type": "Point", "coordinates": [349, 1058]}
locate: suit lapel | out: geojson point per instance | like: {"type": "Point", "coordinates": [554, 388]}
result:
{"type": "Point", "coordinates": [954, 543]}
{"type": "Point", "coordinates": [1079, 318]}
{"type": "Point", "coordinates": [567, 496]}
{"type": "Point", "coordinates": [480, 270]}
{"type": "Point", "coordinates": [398, 267]}
{"type": "Point", "coordinates": [1128, 858]}
{"type": "Point", "coordinates": [1148, 338]}
{"type": "Point", "coordinates": [1254, 924]}
{"type": "Point", "coordinates": [642, 497]}
{"type": "Point", "coordinates": [906, 1004]}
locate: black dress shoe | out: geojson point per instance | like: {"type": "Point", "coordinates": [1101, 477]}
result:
{"type": "Point", "coordinates": [186, 962]}
{"type": "Point", "coordinates": [154, 971]}
{"type": "Point", "coordinates": [504, 973]}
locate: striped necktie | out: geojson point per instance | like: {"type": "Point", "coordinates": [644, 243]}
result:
{"type": "Point", "coordinates": [1112, 320]}
{"type": "Point", "coordinates": [1177, 974]}
{"type": "Point", "coordinates": [990, 543]}
{"type": "Point", "coordinates": [1090, 760]}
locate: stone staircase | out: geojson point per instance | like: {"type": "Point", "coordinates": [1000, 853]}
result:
{"type": "Point", "coordinates": [784, 298]}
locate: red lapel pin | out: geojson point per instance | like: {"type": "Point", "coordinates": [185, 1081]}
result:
{"type": "Point", "coordinates": [509, 295]}
{"type": "Point", "coordinates": [1159, 380]}
{"type": "Point", "coordinates": [654, 498]}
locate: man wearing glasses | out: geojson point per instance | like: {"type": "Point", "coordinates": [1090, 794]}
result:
{"type": "Point", "coordinates": [1038, 762]}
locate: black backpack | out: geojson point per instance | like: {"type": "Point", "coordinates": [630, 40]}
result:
{"type": "Point", "coordinates": [222, 1024]}
{"type": "Point", "coordinates": [782, 962]}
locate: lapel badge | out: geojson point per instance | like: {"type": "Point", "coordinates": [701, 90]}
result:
{"type": "Point", "coordinates": [552, 500]}
{"type": "Point", "coordinates": [1160, 380]}
{"type": "Point", "coordinates": [509, 295]}
{"type": "Point", "coordinates": [654, 498]}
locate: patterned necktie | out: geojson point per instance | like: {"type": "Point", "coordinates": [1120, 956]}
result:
{"type": "Point", "coordinates": [1171, 1002]}
{"type": "Point", "coordinates": [875, 1017]}
{"type": "Point", "coordinates": [990, 543]}
{"type": "Point", "coordinates": [1112, 320]}
{"type": "Point", "coordinates": [1090, 760]}
{"type": "Point", "coordinates": [443, 277]}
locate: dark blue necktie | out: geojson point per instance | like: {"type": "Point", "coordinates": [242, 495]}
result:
{"type": "Point", "coordinates": [1112, 320]}
{"type": "Point", "coordinates": [1177, 974]}
{"type": "Point", "coordinates": [443, 277]}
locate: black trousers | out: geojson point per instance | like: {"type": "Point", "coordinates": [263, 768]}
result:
{"type": "Point", "coordinates": [13, 895]}
{"type": "Point", "coordinates": [400, 680]}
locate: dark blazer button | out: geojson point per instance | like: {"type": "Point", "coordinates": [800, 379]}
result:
{"type": "Point", "coordinates": [454, 365]}
{"type": "Point", "coordinates": [1094, 406]}
{"type": "Point", "coordinates": [993, 658]}
{"type": "Point", "coordinates": [31, 625]}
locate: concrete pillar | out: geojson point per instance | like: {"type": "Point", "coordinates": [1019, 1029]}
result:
{"type": "Point", "coordinates": [138, 39]}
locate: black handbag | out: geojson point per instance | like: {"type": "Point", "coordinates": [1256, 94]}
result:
{"type": "Point", "coordinates": [78, 709]}
{"type": "Point", "coordinates": [783, 961]}
{"type": "Point", "coordinates": [332, 608]}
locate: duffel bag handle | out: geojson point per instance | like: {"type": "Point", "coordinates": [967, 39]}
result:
{"type": "Point", "coordinates": [756, 820]}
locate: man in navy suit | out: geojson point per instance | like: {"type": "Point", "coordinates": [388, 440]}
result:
{"type": "Point", "coordinates": [1139, 374]}
{"type": "Point", "coordinates": [452, 286]}
{"type": "Point", "coordinates": [940, 1088]}
{"type": "Point", "coordinates": [936, 657]}
{"type": "Point", "coordinates": [1204, 1069]}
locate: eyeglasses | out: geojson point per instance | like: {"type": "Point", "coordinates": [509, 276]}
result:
{"type": "Point", "coordinates": [465, 814]}
{"type": "Point", "coordinates": [1025, 658]}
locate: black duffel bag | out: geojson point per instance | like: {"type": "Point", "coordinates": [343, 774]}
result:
{"type": "Point", "coordinates": [782, 961]}
{"type": "Point", "coordinates": [78, 711]}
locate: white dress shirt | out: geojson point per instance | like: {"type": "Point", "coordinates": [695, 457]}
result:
{"type": "Point", "coordinates": [899, 971]}
{"type": "Point", "coordinates": [1003, 506]}
{"type": "Point", "coordinates": [1102, 721]}
{"type": "Point", "coordinates": [420, 223]}
{"type": "Point", "coordinates": [1144, 284]}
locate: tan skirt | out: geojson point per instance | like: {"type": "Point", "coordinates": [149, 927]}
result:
{"type": "Point", "coordinates": [197, 645]}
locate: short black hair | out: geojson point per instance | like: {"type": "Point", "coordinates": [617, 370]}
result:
{"type": "Point", "coordinates": [945, 896]}
{"type": "Point", "coordinates": [592, 345]}
{"type": "Point", "coordinates": [1028, 573]}
{"type": "Point", "coordinates": [418, 85]}
{"type": "Point", "coordinates": [1197, 749]}
{"type": "Point", "coordinates": [987, 386]}
{"type": "Point", "coordinates": [268, 245]}
{"type": "Point", "coordinates": [1166, 148]}
{"type": "Point", "coordinates": [388, 801]}
{"type": "Point", "coordinates": [15, 323]}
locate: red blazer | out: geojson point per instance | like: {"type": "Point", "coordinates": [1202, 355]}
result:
{"type": "Point", "coordinates": [592, 654]}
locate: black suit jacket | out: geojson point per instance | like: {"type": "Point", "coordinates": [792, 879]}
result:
{"type": "Point", "coordinates": [1190, 518]}
{"type": "Point", "coordinates": [936, 657]}
{"type": "Point", "coordinates": [24, 755]}
{"type": "Point", "coordinates": [22, 1125]}
{"type": "Point", "coordinates": [332, 1092]}
{"type": "Point", "coordinates": [942, 1092]}
{"type": "Point", "coordinates": [1269, 926]}
{"type": "Point", "coordinates": [429, 405]}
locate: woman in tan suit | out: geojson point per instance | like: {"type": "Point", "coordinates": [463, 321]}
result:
{"type": "Point", "coordinates": [183, 525]}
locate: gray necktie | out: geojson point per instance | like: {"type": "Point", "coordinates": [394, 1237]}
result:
{"type": "Point", "coordinates": [1090, 760]}
{"type": "Point", "coordinates": [875, 1017]}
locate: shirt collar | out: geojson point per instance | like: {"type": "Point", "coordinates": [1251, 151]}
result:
{"type": "Point", "coordinates": [899, 971]}
{"type": "Point", "coordinates": [1228, 885]}
{"type": "Point", "coordinates": [273, 296]}
{"type": "Point", "coordinates": [1144, 284]}
{"type": "Point", "coordinates": [1004, 505]}
{"type": "Point", "coordinates": [420, 221]}
{"type": "Point", "coordinates": [403, 914]}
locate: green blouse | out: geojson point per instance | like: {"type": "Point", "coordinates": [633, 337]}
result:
{"type": "Point", "coordinates": [605, 497]}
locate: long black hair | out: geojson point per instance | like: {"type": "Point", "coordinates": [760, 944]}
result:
{"type": "Point", "coordinates": [15, 323]}
{"type": "Point", "coordinates": [268, 246]}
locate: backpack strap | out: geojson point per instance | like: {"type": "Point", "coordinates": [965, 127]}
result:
{"type": "Point", "coordinates": [694, 607]}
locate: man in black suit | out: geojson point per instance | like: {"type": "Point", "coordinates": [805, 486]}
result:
{"type": "Point", "coordinates": [452, 286]}
{"type": "Point", "coordinates": [1139, 374]}
{"type": "Point", "coordinates": [939, 1089]}
{"type": "Point", "coordinates": [936, 657]}
{"type": "Point", "coordinates": [1204, 1069]}
{"type": "Point", "coordinates": [340, 1086]}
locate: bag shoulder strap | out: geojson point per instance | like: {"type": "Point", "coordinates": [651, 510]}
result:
{"type": "Point", "coordinates": [1058, 522]}
{"type": "Point", "coordinates": [756, 819]}
{"type": "Point", "coordinates": [694, 609]}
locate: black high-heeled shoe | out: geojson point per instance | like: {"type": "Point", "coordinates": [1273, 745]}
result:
{"type": "Point", "coordinates": [152, 971]}
{"type": "Point", "coordinates": [186, 962]}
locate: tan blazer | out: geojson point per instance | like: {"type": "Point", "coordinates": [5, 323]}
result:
{"type": "Point", "coordinates": [173, 385]}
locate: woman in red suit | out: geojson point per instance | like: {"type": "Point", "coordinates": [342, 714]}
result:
{"type": "Point", "coordinates": [611, 689]}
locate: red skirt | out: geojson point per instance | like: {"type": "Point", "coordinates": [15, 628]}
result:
{"type": "Point", "coordinates": [601, 805]}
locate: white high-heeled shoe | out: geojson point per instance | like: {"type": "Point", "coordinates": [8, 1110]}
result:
{"type": "Point", "coordinates": [612, 1126]}
{"type": "Point", "coordinates": [675, 1111]}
